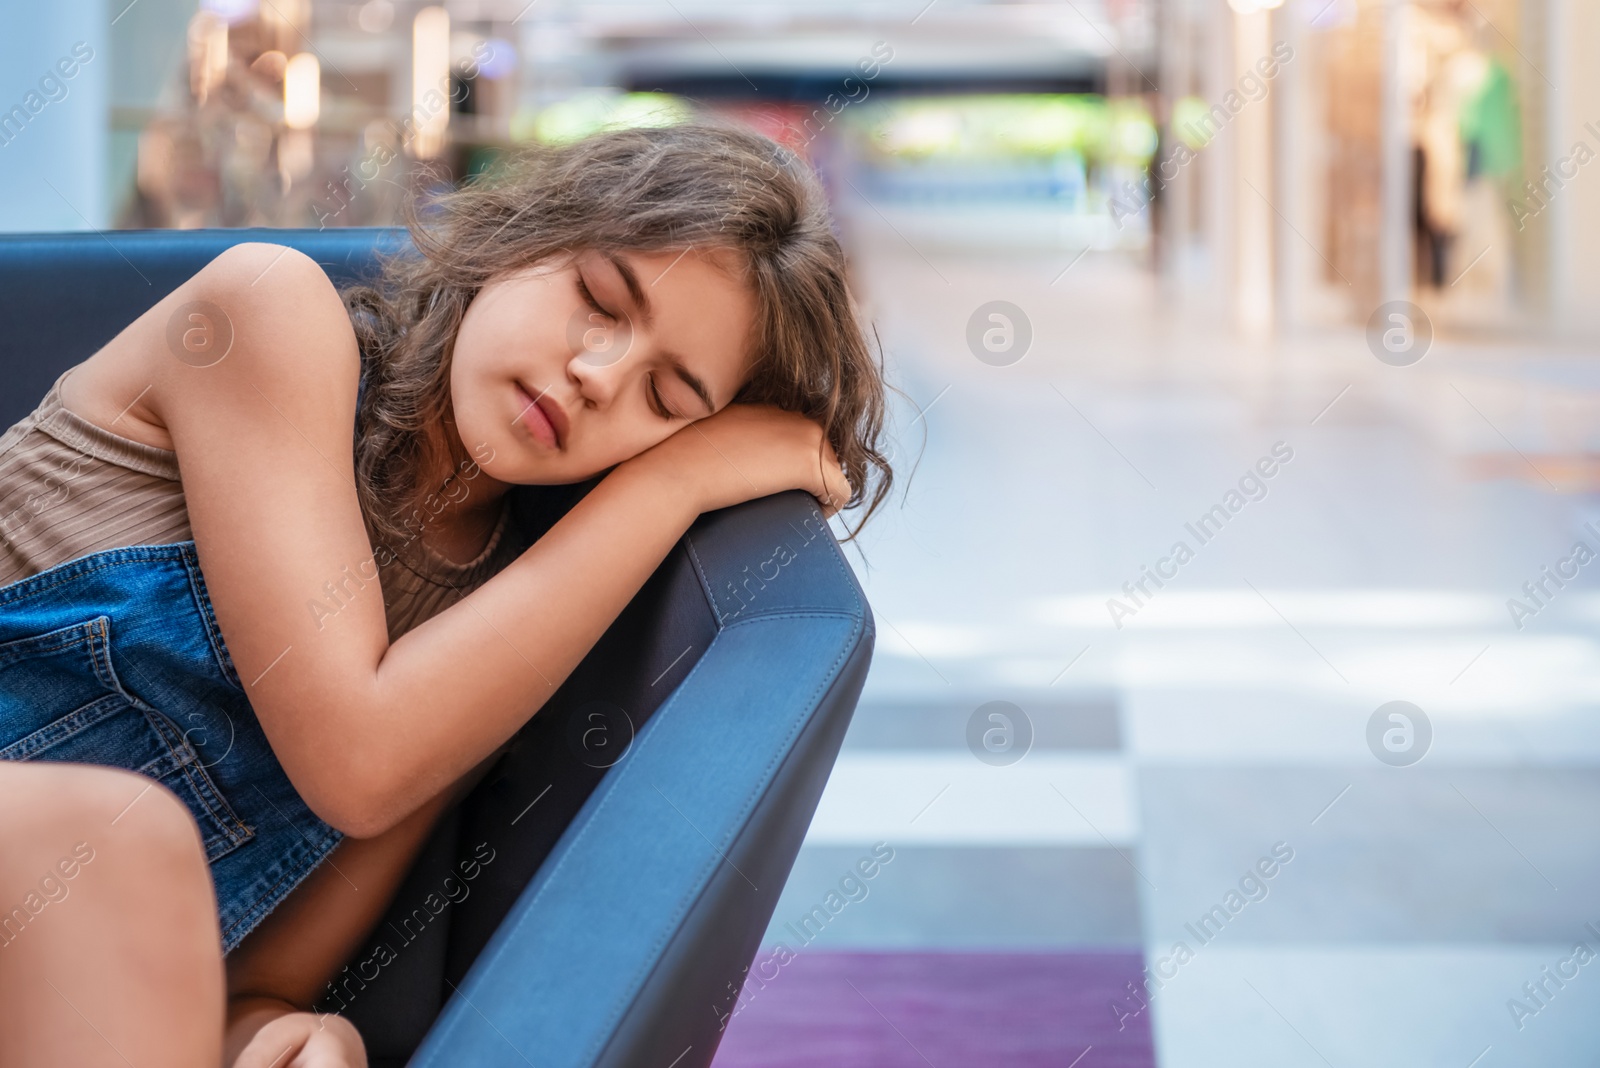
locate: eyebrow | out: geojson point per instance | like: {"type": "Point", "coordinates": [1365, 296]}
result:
{"type": "Point", "coordinates": [647, 313]}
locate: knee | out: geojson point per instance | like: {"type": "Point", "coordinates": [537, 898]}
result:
{"type": "Point", "coordinates": [138, 818]}
{"type": "Point", "coordinates": [97, 809]}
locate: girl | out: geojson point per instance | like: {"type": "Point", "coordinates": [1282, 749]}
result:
{"type": "Point", "coordinates": [315, 640]}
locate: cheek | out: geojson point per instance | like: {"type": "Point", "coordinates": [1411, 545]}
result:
{"type": "Point", "coordinates": [471, 363]}
{"type": "Point", "coordinates": [469, 389]}
{"type": "Point", "coordinates": [491, 349]}
{"type": "Point", "coordinates": [515, 328]}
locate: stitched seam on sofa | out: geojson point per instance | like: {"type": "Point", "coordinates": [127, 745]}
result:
{"type": "Point", "coordinates": [799, 613]}
{"type": "Point", "coordinates": [762, 787]}
{"type": "Point", "coordinates": [605, 799]}
{"type": "Point", "coordinates": [653, 955]}
{"type": "Point", "coordinates": [583, 832]}
{"type": "Point", "coordinates": [700, 575]}
{"type": "Point", "coordinates": [845, 573]}
{"type": "Point", "coordinates": [705, 581]}
{"type": "Point", "coordinates": [733, 846]}
{"type": "Point", "coordinates": [797, 610]}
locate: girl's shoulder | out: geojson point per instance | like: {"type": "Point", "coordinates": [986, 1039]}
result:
{"type": "Point", "coordinates": [249, 291]}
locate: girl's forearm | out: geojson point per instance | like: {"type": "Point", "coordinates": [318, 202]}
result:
{"type": "Point", "coordinates": [455, 688]}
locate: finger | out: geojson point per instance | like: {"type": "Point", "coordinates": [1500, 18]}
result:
{"type": "Point", "coordinates": [322, 1055]}
{"type": "Point", "coordinates": [839, 487]}
{"type": "Point", "coordinates": [831, 472]}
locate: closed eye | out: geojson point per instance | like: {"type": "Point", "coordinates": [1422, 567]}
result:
{"type": "Point", "coordinates": [657, 402]}
{"type": "Point", "coordinates": [660, 404]}
{"type": "Point", "coordinates": [583, 290]}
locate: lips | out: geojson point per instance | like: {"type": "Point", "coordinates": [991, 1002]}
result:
{"type": "Point", "coordinates": [543, 417]}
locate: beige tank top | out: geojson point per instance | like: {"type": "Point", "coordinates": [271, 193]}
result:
{"type": "Point", "coordinates": [69, 487]}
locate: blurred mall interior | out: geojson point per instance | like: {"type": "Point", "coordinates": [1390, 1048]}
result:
{"type": "Point", "coordinates": [1333, 265]}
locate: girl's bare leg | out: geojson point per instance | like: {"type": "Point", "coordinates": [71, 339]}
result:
{"type": "Point", "coordinates": [283, 966]}
{"type": "Point", "coordinates": [110, 952]}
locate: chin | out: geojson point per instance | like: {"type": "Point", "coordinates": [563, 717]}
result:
{"type": "Point", "coordinates": [533, 473]}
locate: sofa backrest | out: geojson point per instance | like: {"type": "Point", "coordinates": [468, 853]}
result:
{"type": "Point", "coordinates": [65, 295]}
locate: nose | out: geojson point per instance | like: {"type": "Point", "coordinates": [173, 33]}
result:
{"type": "Point", "coordinates": [600, 361]}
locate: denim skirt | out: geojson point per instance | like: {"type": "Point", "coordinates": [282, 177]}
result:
{"type": "Point", "coordinates": [115, 658]}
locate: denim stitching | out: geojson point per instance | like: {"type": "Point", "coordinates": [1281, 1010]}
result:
{"type": "Point", "coordinates": [43, 582]}
{"type": "Point", "coordinates": [203, 786]}
{"type": "Point", "coordinates": [316, 850]}
{"type": "Point", "coordinates": [98, 642]}
{"type": "Point", "coordinates": [64, 643]}
{"type": "Point", "coordinates": [205, 791]}
{"type": "Point", "coordinates": [88, 565]}
{"type": "Point", "coordinates": [103, 709]}
{"type": "Point", "coordinates": [202, 597]}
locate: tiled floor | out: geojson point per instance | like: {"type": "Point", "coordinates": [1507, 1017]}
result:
{"type": "Point", "coordinates": [908, 1010]}
{"type": "Point", "coordinates": [1227, 717]}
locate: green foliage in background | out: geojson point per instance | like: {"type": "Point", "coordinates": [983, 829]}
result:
{"type": "Point", "coordinates": [579, 116]}
{"type": "Point", "coordinates": [1009, 126]}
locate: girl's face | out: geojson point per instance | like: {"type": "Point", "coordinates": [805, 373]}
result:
{"type": "Point", "coordinates": [562, 371]}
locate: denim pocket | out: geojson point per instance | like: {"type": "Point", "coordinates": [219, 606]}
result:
{"type": "Point", "coordinates": [61, 700]}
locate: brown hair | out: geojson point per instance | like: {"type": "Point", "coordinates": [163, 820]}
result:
{"type": "Point", "coordinates": [706, 183]}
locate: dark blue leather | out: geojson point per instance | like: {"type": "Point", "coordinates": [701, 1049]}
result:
{"type": "Point", "coordinates": [620, 904]}
{"type": "Point", "coordinates": [65, 295]}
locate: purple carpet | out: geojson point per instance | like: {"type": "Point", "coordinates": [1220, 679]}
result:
{"type": "Point", "coordinates": [947, 1010]}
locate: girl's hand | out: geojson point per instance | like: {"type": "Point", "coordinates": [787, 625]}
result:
{"type": "Point", "coordinates": [304, 1040]}
{"type": "Point", "coordinates": [747, 451]}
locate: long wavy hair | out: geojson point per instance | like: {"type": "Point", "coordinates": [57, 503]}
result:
{"type": "Point", "coordinates": [706, 183]}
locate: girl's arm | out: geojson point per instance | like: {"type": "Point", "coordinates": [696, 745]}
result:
{"type": "Point", "coordinates": [367, 731]}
